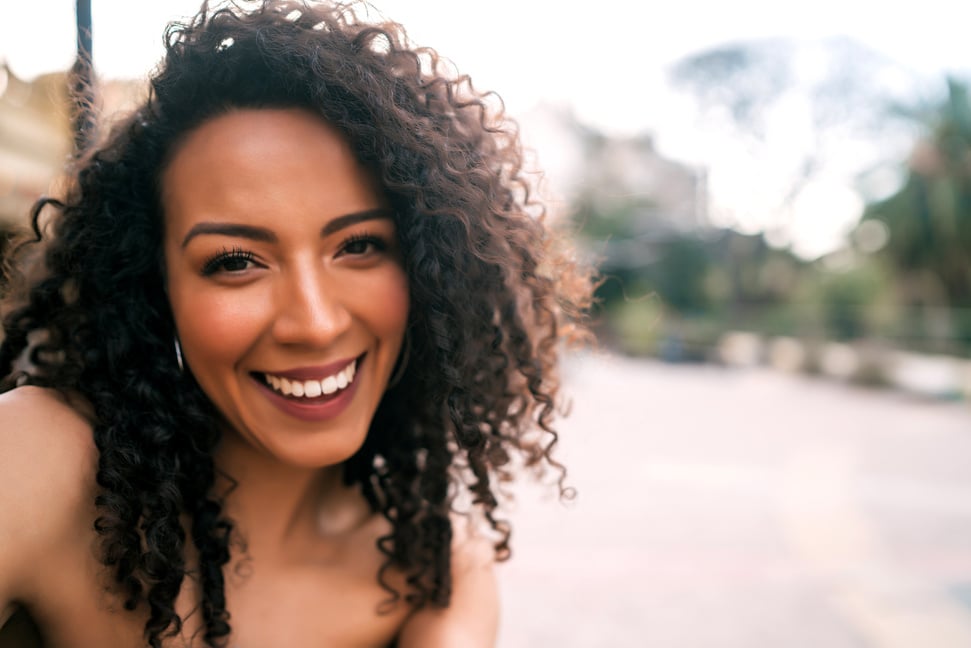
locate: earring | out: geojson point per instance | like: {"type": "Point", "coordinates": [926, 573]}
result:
{"type": "Point", "coordinates": [399, 369]}
{"type": "Point", "coordinates": [178, 356]}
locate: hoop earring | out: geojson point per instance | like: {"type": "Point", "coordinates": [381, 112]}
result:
{"type": "Point", "coordinates": [399, 369]}
{"type": "Point", "coordinates": [178, 356]}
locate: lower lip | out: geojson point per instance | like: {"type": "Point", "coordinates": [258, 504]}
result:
{"type": "Point", "coordinates": [309, 409]}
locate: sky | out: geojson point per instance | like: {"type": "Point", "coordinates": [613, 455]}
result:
{"type": "Point", "coordinates": [606, 61]}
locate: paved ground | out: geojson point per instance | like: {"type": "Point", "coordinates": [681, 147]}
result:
{"type": "Point", "coordinates": [745, 509]}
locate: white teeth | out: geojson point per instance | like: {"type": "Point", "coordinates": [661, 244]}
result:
{"type": "Point", "coordinates": [313, 388]}
{"type": "Point", "coordinates": [329, 384]}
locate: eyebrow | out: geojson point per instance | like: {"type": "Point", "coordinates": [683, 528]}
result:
{"type": "Point", "coordinates": [341, 222]}
{"type": "Point", "coordinates": [267, 236]}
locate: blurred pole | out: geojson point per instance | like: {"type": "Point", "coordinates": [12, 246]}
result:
{"type": "Point", "coordinates": [82, 80]}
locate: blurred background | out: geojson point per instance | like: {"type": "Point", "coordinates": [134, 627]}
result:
{"type": "Point", "coordinates": [771, 446]}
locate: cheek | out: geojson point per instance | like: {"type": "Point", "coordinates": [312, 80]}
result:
{"type": "Point", "coordinates": [390, 302]}
{"type": "Point", "coordinates": [217, 329]}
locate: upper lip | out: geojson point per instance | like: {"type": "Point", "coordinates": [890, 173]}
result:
{"type": "Point", "coordinates": [316, 372]}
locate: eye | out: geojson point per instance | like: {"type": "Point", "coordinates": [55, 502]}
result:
{"type": "Point", "coordinates": [363, 244]}
{"type": "Point", "coordinates": [229, 261]}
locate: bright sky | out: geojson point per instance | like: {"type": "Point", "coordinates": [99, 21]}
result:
{"type": "Point", "coordinates": [605, 59]}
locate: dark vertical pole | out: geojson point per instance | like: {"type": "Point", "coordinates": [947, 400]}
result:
{"type": "Point", "coordinates": [83, 80]}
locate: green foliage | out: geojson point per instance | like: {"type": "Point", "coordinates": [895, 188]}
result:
{"type": "Point", "coordinates": [679, 275]}
{"type": "Point", "coordinates": [606, 220]}
{"type": "Point", "coordinates": [636, 325]}
{"type": "Point", "coordinates": [929, 220]}
{"type": "Point", "coordinates": [848, 303]}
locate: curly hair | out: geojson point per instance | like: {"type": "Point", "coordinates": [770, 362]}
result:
{"type": "Point", "coordinates": [493, 295]}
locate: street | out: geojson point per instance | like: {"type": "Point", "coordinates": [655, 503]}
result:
{"type": "Point", "coordinates": [744, 508]}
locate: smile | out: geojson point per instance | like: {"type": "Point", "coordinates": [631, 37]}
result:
{"type": "Point", "coordinates": [313, 388]}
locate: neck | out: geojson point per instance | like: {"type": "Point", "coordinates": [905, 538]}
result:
{"type": "Point", "coordinates": [279, 508]}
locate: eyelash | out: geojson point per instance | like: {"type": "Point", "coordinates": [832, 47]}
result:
{"type": "Point", "coordinates": [216, 263]}
{"type": "Point", "coordinates": [378, 242]}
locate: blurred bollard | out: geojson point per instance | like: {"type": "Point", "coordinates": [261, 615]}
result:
{"type": "Point", "coordinates": [741, 349]}
{"type": "Point", "coordinates": [927, 375]}
{"type": "Point", "coordinates": [787, 354]}
{"type": "Point", "coordinates": [838, 360]}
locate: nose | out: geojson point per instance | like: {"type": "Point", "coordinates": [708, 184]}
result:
{"type": "Point", "coordinates": [310, 310]}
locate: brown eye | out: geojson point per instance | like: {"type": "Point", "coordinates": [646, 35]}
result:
{"type": "Point", "coordinates": [234, 264]}
{"type": "Point", "coordinates": [363, 244]}
{"type": "Point", "coordinates": [231, 261]}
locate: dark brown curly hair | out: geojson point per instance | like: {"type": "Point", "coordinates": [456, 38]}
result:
{"type": "Point", "coordinates": [493, 297]}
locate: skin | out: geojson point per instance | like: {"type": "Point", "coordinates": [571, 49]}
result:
{"type": "Point", "coordinates": [280, 255]}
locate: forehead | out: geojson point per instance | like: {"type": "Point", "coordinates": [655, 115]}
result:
{"type": "Point", "coordinates": [264, 165]}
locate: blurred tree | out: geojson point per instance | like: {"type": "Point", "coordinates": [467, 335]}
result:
{"type": "Point", "coordinates": [738, 82]}
{"type": "Point", "coordinates": [828, 93]}
{"type": "Point", "coordinates": [679, 275]}
{"type": "Point", "coordinates": [929, 219]}
{"type": "Point", "coordinates": [851, 302]}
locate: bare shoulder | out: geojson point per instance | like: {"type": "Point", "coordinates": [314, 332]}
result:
{"type": "Point", "coordinates": [43, 436]}
{"type": "Point", "coordinates": [47, 455]}
{"type": "Point", "coordinates": [471, 549]}
{"type": "Point", "coordinates": [471, 620]}
{"type": "Point", "coordinates": [47, 465]}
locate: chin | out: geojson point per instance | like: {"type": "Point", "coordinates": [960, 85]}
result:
{"type": "Point", "coordinates": [320, 452]}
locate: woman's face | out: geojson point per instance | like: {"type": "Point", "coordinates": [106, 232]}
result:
{"type": "Point", "coordinates": [285, 281]}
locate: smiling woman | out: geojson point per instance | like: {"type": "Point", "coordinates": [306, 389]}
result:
{"type": "Point", "coordinates": [302, 284]}
{"type": "Point", "coordinates": [288, 320]}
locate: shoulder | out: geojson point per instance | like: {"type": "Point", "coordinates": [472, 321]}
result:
{"type": "Point", "coordinates": [47, 465]}
{"type": "Point", "coordinates": [47, 453]}
{"type": "Point", "coordinates": [472, 617]}
{"type": "Point", "coordinates": [42, 433]}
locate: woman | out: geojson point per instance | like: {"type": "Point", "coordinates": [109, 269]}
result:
{"type": "Point", "coordinates": [286, 333]}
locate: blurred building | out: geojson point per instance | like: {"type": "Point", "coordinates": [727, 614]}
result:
{"type": "Point", "coordinates": [35, 140]}
{"type": "Point", "coordinates": [36, 137]}
{"type": "Point", "coordinates": [620, 190]}
{"type": "Point", "coordinates": [669, 195]}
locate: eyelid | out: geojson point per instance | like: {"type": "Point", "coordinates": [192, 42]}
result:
{"type": "Point", "coordinates": [211, 265]}
{"type": "Point", "coordinates": [379, 241]}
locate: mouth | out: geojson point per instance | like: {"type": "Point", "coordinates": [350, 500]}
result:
{"type": "Point", "coordinates": [312, 389]}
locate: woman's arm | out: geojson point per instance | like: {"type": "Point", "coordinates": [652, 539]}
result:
{"type": "Point", "coordinates": [472, 617]}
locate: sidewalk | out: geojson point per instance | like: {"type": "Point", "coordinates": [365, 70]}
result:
{"type": "Point", "coordinates": [749, 509]}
